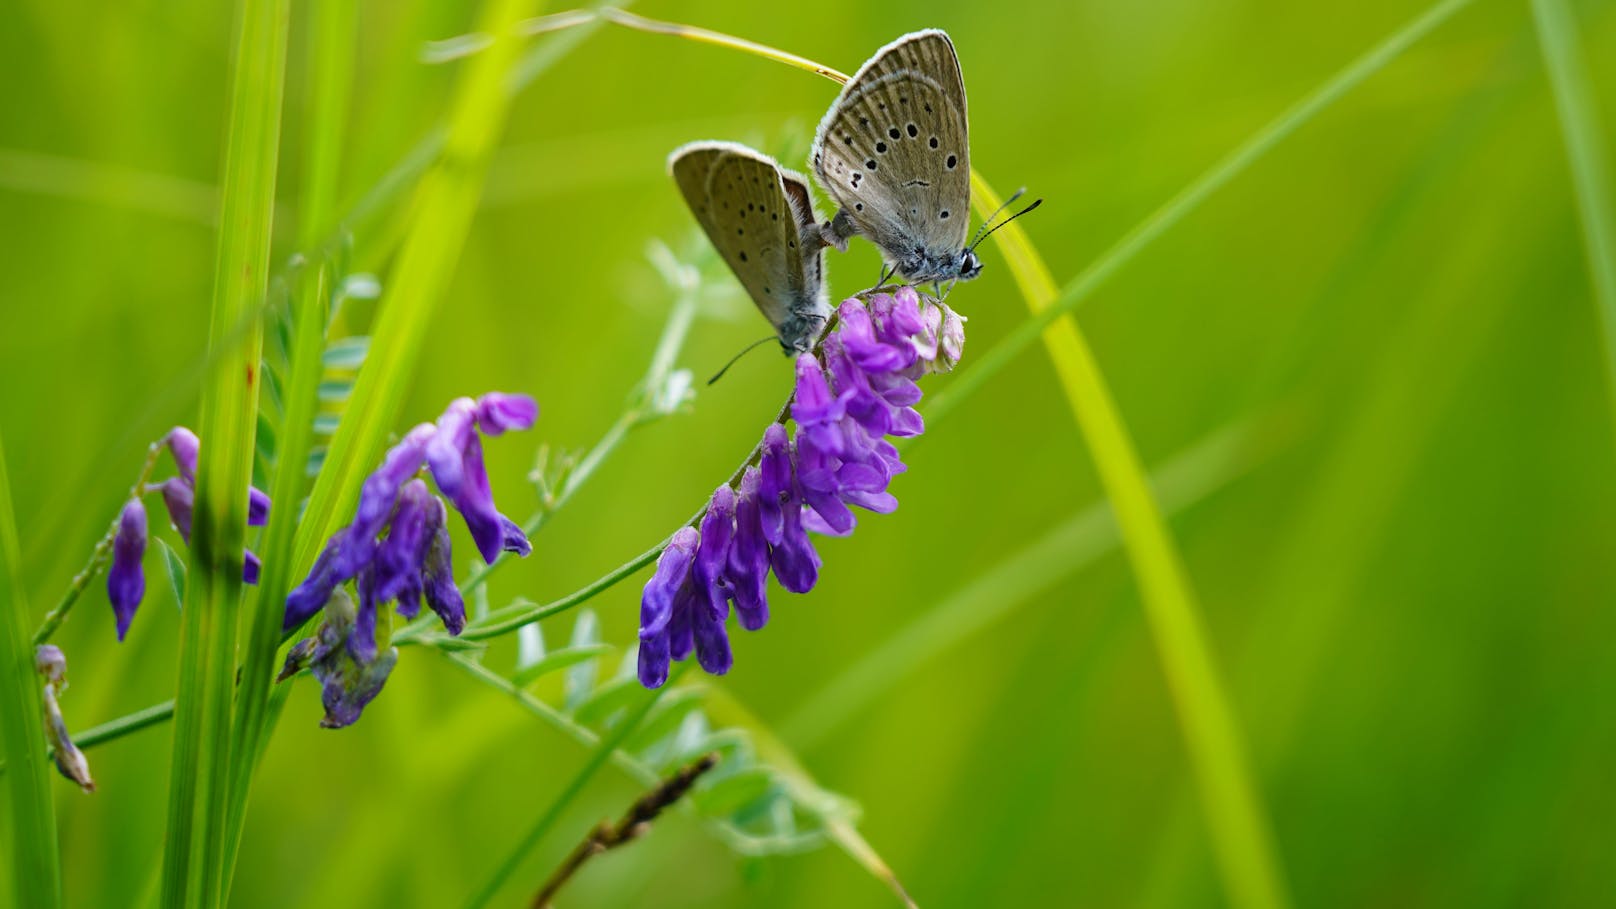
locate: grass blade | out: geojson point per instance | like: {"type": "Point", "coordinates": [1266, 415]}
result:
{"type": "Point", "coordinates": [443, 210]}
{"type": "Point", "coordinates": [332, 33]}
{"type": "Point", "coordinates": [200, 771]}
{"type": "Point", "coordinates": [1012, 239]}
{"type": "Point", "coordinates": [35, 861]}
{"type": "Point", "coordinates": [1240, 833]}
{"type": "Point", "coordinates": [1187, 478]}
{"type": "Point", "coordinates": [1578, 110]}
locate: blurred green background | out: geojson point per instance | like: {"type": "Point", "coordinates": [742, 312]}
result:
{"type": "Point", "coordinates": [1406, 566]}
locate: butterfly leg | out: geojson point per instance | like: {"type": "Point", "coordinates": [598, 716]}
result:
{"type": "Point", "coordinates": [837, 231]}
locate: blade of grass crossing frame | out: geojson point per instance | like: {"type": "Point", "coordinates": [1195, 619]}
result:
{"type": "Point", "coordinates": [443, 209]}
{"type": "Point", "coordinates": [1241, 837]}
{"type": "Point", "coordinates": [200, 768]}
{"type": "Point", "coordinates": [1578, 111]}
{"type": "Point", "coordinates": [35, 861]}
{"type": "Point", "coordinates": [332, 39]}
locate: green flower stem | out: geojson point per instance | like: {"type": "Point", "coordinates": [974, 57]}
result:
{"type": "Point", "coordinates": [98, 556]}
{"type": "Point", "coordinates": [642, 408]}
{"type": "Point", "coordinates": [1578, 110]}
{"type": "Point", "coordinates": [36, 868]}
{"type": "Point", "coordinates": [597, 759]}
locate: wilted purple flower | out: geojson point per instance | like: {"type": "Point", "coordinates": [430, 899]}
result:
{"type": "Point", "coordinates": [126, 580]}
{"type": "Point", "coordinates": [52, 665]}
{"type": "Point", "coordinates": [397, 549]}
{"type": "Point", "coordinates": [856, 390]}
{"type": "Point", "coordinates": [347, 681]}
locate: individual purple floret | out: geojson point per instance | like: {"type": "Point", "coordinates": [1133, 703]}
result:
{"type": "Point", "coordinates": [126, 580]}
{"type": "Point", "coordinates": [126, 584]}
{"type": "Point", "coordinates": [853, 393]}
{"type": "Point", "coordinates": [397, 550]}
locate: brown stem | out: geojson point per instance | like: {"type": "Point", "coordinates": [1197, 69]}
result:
{"type": "Point", "coordinates": [634, 823]}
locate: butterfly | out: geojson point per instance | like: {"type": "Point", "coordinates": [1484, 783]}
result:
{"type": "Point", "coordinates": [761, 218]}
{"type": "Point", "coordinates": [893, 152]}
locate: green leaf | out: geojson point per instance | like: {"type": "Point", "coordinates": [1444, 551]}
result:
{"type": "Point", "coordinates": [736, 791]}
{"type": "Point", "coordinates": [557, 660]}
{"type": "Point", "coordinates": [666, 719]}
{"type": "Point", "coordinates": [174, 567]}
{"type": "Point", "coordinates": [581, 676]}
{"type": "Point", "coordinates": [608, 699]}
{"type": "Point", "coordinates": [335, 391]}
{"type": "Point", "coordinates": [346, 353]}
{"type": "Point", "coordinates": [361, 287]}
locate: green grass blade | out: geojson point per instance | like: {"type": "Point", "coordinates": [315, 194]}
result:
{"type": "Point", "coordinates": [1240, 833]}
{"type": "Point", "coordinates": [1578, 110]}
{"type": "Point", "coordinates": [597, 759]}
{"type": "Point", "coordinates": [332, 36]}
{"type": "Point", "coordinates": [1066, 549]}
{"type": "Point", "coordinates": [200, 770]}
{"type": "Point", "coordinates": [35, 861]}
{"type": "Point", "coordinates": [443, 210]}
{"type": "Point", "coordinates": [969, 381]}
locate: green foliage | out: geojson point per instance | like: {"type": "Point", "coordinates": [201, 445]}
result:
{"type": "Point", "coordinates": [1395, 261]}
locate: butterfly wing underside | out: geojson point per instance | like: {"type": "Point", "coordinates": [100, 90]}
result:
{"type": "Point", "coordinates": [893, 151]}
{"type": "Point", "coordinates": [757, 215]}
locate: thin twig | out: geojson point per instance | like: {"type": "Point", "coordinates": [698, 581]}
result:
{"type": "Point", "coordinates": [635, 823]}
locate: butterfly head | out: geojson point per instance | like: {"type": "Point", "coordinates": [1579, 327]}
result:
{"type": "Point", "coordinates": [969, 266]}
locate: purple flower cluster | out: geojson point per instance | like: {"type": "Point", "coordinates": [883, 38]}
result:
{"type": "Point", "coordinates": [858, 390]}
{"type": "Point", "coordinates": [397, 550]}
{"type": "Point", "coordinates": [126, 579]}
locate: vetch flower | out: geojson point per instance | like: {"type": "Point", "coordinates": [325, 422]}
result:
{"type": "Point", "coordinates": [126, 580]}
{"type": "Point", "coordinates": [397, 550]}
{"type": "Point", "coordinates": [52, 665]}
{"type": "Point", "coordinates": [857, 389]}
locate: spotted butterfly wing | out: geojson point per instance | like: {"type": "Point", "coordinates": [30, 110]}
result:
{"type": "Point", "coordinates": [893, 152]}
{"type": "Point", "coordinates": [761, 219]}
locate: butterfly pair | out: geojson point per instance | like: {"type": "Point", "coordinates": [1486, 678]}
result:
{"type": "Point", "coordinates": [892, 152]}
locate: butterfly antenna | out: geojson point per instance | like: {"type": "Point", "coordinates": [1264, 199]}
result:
{"type": "Point", "coordinates": [733, 360]}
{"type": "Point", "coordinates": [989, 219]}
{"type": "Point", "coordinates": [1035, 204]}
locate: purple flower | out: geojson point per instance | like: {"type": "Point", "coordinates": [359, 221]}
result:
{"type": "Point", "coordinates": [748, 569]}
{"type": "Point", "coordinates": [397, 550]}
{"type": "Point", "coordinates": [857, 390]}
{"type": "Point", "coordinates": [437, 573]}
{"type": "Point", "coordinates": [455, 457]}
{"type": "Point", "coordinates": [184, 446]}
{"type": "Point", "coordinates": [657, 605]}
{"type": "Point", "coordinates": [498, 412]}
{"type": "Point", "coordinates": [952, 340]}
{"type": "Point", "coordinates": [126, 581]}
{"type": "Point", "coordinates": [348, 681]}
